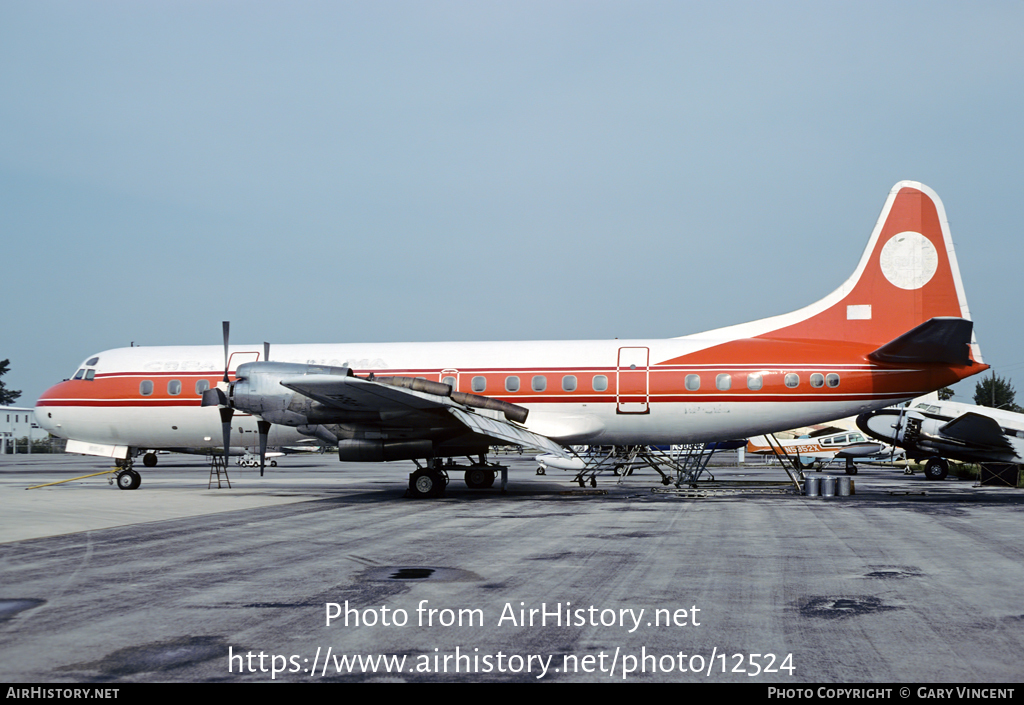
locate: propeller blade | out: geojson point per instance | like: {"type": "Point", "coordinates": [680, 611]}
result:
{"type": "Point", "coordinates": [214, 397]}
{"type": "Point", "coordinates": [226, 412]}
{"type": "Point", "coordinates": [266, 351]}
{"type": "Point", "coordinates": [227, 327]}
{"type": "Point", "coordinates": [264, 429]}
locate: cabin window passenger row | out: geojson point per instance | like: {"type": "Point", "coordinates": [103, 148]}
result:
{"type": "Point", "coordinates": [146, 388]}
{"type": "Point", "coordinates": [479, 384]}
{"type": "Point", "coordinates": [201, 386]}
{"type": "Point", "coordinates": [817, 380]}
{"type": "Point", "coordinates": [754, 382]}
{"type": "Point", "coordinates": [792, 380]}
{"type": "Point", "coordinates": [569, 383]}
{"type": "Point", "coordinates": [512, 384]}
{"type": "Point", "coordinates": [692, 383]}
{"type": "Point", "coordinates": [723, 382]}
{"type": "Point", "coordinates": [174, 387]}
{"type": "Point", "coordinates": [539, 383]}
{"type": "Point", "coordinates": [832, 379]}
{"type": "Point", "coordinates": [600, 383]}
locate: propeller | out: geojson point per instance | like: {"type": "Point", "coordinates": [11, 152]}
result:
{"type": "Point", "coordinates": [217, 397]}
{"type": "Point", "coordinates": [226, 412]}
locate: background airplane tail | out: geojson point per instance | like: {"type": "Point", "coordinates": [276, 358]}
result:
{"type": "Point", "coordinates": [907, 276]}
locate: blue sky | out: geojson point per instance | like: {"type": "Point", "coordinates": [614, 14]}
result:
{"type": "Point", "coordinates": [382, 171]}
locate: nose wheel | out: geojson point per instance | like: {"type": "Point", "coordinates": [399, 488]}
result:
{"type": "Point", "coordinates": [128, 480]}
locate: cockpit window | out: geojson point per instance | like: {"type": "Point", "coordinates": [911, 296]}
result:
{"type": "Point", "coordinates": [91, 361]}
{"type": "Point", "coordinates": [89, 374]}
{"type": "Point", "coordinates": [80, 374]}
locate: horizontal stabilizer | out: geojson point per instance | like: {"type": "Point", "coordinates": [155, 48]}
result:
{"type": "Point", "coordinates": [943, 340]}
{"type": "Point", "coordinates": [977, 430]}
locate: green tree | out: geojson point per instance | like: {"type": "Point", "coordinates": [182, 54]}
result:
{"type": "Point", "coordinates": [7, 396]}
{"type": "Point", "coordinates": [945, 393]}
{"type": "Point", "coordinates": [996, 392]}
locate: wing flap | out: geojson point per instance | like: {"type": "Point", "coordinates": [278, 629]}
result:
{"type": "Point", "coordinates": [506, 432]}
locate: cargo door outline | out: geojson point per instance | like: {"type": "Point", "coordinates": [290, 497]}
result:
{"type": "Point", "coordinates": [632, 381]}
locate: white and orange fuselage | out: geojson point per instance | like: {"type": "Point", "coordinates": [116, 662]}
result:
{"type": "Point", "coordinates": [812, 365]}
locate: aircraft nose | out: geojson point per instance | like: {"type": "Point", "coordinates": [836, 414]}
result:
{"type": "Point", "coordinates": [45, 411]}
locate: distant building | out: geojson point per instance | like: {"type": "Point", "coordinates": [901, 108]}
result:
{"type": "Point", "coordinates": [16, 423]}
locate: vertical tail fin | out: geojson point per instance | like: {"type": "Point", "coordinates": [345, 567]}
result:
{"type": "Point", "coordinates": [907, 275]}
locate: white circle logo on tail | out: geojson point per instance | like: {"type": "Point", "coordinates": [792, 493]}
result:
{"type": "Point", "coordinates": [909, 260]}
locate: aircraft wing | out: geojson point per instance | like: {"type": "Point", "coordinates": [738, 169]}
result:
{"type": "Point", "coordinates": [860, 450]}
{"type": "Point", "coordinates": [977, 430]}
{"type": "Point", "coordinates": [357, 394]}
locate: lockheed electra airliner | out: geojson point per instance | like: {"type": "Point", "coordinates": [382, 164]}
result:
{"type": "Point", "coordinates": [898, 328]}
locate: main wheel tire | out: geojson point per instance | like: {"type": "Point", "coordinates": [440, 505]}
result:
{"type": "Point", "coordinates": [936, 469]}
{"type": "Point", "coordinates": [426, 484]}
{"type": "Point", "coordinates": [149, 460]}
{"type": "Point", "coordinates": [479, 478]}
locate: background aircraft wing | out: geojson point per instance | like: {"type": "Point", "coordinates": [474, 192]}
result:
{"type": "Point", "coordinates": [977, 430]}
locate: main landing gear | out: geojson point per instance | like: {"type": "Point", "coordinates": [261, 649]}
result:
{"type": "Point", "coordinates": [426, 483]}
{"type": "Point", "coordinates": [936, 469]}
{"type": "Point", "coordinates": [431, 481]}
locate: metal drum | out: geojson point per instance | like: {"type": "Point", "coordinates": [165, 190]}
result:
{"type": "Point", "coordinates": [812, 486]}
{"type": "Point", "coordinates": [843, 486]}
{"type": "Point", "coordinates": [828, 486]}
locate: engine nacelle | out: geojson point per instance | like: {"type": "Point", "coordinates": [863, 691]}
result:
{"type": "Point", "coordinates": [378, 451]}
{"type": "Point", "coordinates": [257, 390]}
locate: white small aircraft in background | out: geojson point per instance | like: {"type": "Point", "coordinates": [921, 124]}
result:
{"type": "Point", "coordinates": [938, 430]}
{"type": "Point", "coordinates": [819, 451]}
{"type": "Point", "coordinates": [897, 328]}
